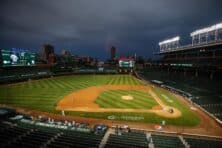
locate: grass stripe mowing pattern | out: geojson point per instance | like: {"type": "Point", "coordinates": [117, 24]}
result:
{"type": "Point", "coordinates": [123, 79]}
{"type": "Point", "coordinates": [44, 94]}
{"type": "Point", "coordinates": [112, 99]}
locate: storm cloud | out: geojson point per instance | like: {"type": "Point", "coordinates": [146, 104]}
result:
{"type": "Point", "coordinates": [91, 27]}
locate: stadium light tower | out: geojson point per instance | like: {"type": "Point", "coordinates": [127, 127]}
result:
{"type": "Point", "coordinates": [205, 33]}
{"type": "Point", "coordinates": [168, 44]}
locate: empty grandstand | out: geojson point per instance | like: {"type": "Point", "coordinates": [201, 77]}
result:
{"type": "Point", "coordinates": [167, 141]}
{"type": "Point", "coordinates": [16, 131]}
{"type": "Point", "coordinates": [133, 139]}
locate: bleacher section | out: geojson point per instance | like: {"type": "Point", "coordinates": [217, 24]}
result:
{"type": "Point", "coordinates": [127, 140]}
{"type": "Point", "coordinates": [163, 141]}
{"type": "Point", "coordinates": [203, 143]}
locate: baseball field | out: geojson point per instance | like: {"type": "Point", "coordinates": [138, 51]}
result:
{"type": "Point", "coordinates": [111, 97]}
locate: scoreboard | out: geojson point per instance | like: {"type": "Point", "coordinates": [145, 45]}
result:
{"type": "Point", "coordinates": [126, 65]}
{"type": "Point", "coordinates": [17, 57]}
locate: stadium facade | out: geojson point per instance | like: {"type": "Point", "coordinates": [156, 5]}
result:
{"type": "Point", "coordinates": [203, 55]}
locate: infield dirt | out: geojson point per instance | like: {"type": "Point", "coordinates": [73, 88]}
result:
{"type": "Point", "coordinates": [84, 100]}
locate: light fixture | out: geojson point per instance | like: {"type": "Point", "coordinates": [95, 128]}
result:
{"type": "Point", "coordinates": [175, 39]}
{"type": "Point", "coordinates": [207, 29]}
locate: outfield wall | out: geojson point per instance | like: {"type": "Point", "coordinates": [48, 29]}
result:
{"type": "Point", "coordinates": [12, 77]}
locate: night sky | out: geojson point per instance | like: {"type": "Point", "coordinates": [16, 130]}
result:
{"type": "Point", "coordinates": [91, 27]}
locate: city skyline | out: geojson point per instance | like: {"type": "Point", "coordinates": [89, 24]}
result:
{"type": "Point", "coordinates": [93, 27]}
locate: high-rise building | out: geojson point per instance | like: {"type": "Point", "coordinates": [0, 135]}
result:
{"type": "Point", "coordinates": [65, 52]}
{"type": "Point", "coordinates": [48, 49]}
{"type": "Point", "coordinates": [47, 54]}
{"type": "Point", "coordinates": [52, 58]}
{"type": "Point", "coordinates": [113, 53]}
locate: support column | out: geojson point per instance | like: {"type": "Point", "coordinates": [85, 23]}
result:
{"type": "Point", "coordinates": [213, 54]}
{"type": "Point", "coordinates": [199, 38]}
{"type": "Point", "coordinates": [184, 72]}
{"type": "Point", "coordinates": [212, 75]}
{"type": "Point", "coordinates": [214, 57]}
{"type": "Point", "coordinates": [196, 73]}
{"type": "Point", "coordinates": [207, 37]}
{"type": "Point", "coordinates": [215, 35]}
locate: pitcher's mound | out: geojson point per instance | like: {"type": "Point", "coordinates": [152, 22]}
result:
{"type": "Point", "coordinates": [127, 97]}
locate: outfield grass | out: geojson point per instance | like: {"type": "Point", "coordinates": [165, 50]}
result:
{"type": "Point", "coordinates": [112, 99]}
{"type": "Point", "coordinates": [44, 94]}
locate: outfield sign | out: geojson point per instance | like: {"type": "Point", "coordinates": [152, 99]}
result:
{"type": "Point", "coordinates": [123, 117]}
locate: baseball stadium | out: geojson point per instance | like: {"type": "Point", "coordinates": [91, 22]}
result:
{"type": "Point", "coordinates": [127, 103]}
{"type": "Point", "coordinates": [50, 100]}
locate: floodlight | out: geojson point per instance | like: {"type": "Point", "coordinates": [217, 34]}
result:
{"type": "Point", "coordinates": [207, 29]}
{"type": "Point", "coordinates": [175, 39]}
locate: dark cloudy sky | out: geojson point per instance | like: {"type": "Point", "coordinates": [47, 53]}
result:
{"type": "Point", "coordinates": [91, 27]}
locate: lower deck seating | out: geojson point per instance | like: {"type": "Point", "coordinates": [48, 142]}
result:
{"type": "Point", "coordinates": [163, 141]}
{"type": "Point", "coordinates": [9, 133]}
{"type": "Point", "coordinates": [127, 140]}
{"type": "Point", "coordinates": [19, 135]}
{"type": "Point", "coordinates": [36, 138]}
{"type": "Point", "coordinates": [203, 143]}
{"type": "Point", "coordinates": [31, 136]}
{"type": "Point", "coordinates": [76, 139]}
